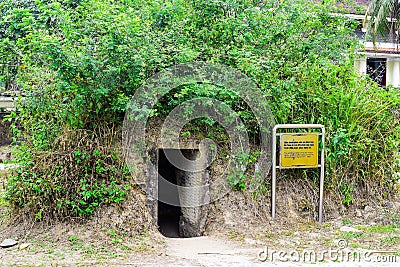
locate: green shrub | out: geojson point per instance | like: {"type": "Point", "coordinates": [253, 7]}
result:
{"type": "Point", "coordinates": [79, 173]}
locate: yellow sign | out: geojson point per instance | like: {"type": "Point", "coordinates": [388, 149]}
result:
{"type": "Point", "coordinates": [299, 150]}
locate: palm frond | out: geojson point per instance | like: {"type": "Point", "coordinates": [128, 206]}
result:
{"type": "Point", "coordinates": [384, 14]}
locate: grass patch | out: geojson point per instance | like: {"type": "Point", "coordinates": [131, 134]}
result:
{"type": "Point", "coordinates": [347, 221]}
{"type": "Point", "coordinates": [390, 228]}
{"type": "Point", "coordinates": [350, 235]}
{"type": "Point", "coordinates": [75, 242]}
{"type": "Point", "coordinates": [3, 201]}
{"type": "Point", "coordinates": [392, 240]}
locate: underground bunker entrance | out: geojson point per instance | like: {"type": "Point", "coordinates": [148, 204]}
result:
{"type": "Point", "coordinates": [173, 220]}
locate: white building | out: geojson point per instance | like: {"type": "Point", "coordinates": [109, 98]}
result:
{"type": "Point", "coordinates": [381, 61]}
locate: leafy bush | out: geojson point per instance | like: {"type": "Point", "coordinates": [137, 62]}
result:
{"type": "Point", "coordinates": [80, 172]}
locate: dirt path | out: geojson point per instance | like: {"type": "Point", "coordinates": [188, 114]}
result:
{"type": "Point", "coordinates": [201, 251]}
{"type": "Point", "coordinates": [212, 251]}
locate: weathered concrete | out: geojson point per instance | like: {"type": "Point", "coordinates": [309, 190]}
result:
{"type": "Point", "coordinates": [193, 219]}
{"type": "Point", "coordinates": [7, 103]}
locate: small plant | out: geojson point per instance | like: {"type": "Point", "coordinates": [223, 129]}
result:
{"type": "Point", "coordinates": [347, 221]}
{"type": "Point", "coordinates": [233, 234]}
{"type": "Point", "coordinates": [112, 233]}
{"type": "Point", "coordinates": [186, 134]}
{"type": "Point", "coordinates": [350, 235]}
{"type": "Point", "coordinates": [125, 247]}
{"type": "Point", "coordinates": [237, 178]}
{"type": "Point", "coordinates": [75, 242]}
{"type": "Point", "coordinates": [391, 240]}
{"type": "Point", "coordinates": [89, 249]}
{"type": "Point", "coordinates": [73, 239]}
{"type": "Point", "coordinates": [379, 228]}
{"type": "Point", "coordinates": [237, 181]}
{"type": "Point", "coordinates": [346, 192]}
{"type": "Point", "coordinates": [116, 240]}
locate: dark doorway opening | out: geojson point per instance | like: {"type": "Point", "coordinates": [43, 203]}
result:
{"type": "Point", "coordinates": [168, 215]}
{"type": "Point", "coordinates": [376, 69]}
{"type": "Point", "coordinates": [181, 213]}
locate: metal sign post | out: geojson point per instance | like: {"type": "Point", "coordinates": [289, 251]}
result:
{"type": "Point", "coordinates": [298, 150]}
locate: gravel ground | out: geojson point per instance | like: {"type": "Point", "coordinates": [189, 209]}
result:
{"type": "Point", "coordinates": [219, 250]}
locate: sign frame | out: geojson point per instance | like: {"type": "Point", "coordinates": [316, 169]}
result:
{"type": "Point", "coordinates": [298, 150]}
{"type": "Point", "coordinates": [320, 158]}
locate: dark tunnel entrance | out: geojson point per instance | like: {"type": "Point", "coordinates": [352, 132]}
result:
{"type": "Point", "coordinates": [168, 215]}
{"type": "Point", "coordinates": [172, 219]}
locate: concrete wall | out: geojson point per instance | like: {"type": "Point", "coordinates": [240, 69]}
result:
{"type": "Point", "coordinates": [193, 219]}
{"type": "Point", "coordinates": [392, 67]}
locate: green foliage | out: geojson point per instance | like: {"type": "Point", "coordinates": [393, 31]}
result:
{"type": "Point", "coordinates": [351, 235]}
{"type": "Point", "coordinates": [73, 179]}
{"type": "Point", "coordinates": [391, 240]}
{"type": "Point", "coordinates": [390, 228]}
{"type": "Point", "coordinates": [79, 63]}
{"type": "Point", "coordinates": [346, 191]}
{"type": "Point", "coordinates": [237, 178]}
{"type": "Point", "coordinates": [383, 22]}
{"type": "Point", "coordinates": [347, 221]}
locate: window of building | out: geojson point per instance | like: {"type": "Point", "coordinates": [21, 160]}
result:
{"type": "Point", "coordinates": [376, 69]}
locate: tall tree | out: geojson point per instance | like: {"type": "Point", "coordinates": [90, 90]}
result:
{"type": "Point", "coordinates": [384, 20]}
